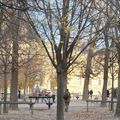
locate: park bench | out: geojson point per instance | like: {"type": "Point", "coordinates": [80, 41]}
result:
{"type": "Point", "coordinates": [98, 101]}
{"type": "Point", "coordinates": [19, 102]}
{"type": "Point", "coordinates": [47, 99]}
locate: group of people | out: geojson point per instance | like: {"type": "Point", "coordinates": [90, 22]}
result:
{"type": "Point", "coordinates": [44, 92]}
{"type": "Point", "coordinates": [67, 97]}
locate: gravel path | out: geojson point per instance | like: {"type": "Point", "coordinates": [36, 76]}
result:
{"type": "Point", "coordinates": [77, 111]}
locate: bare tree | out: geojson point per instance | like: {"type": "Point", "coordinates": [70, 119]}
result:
{"type": "Point", "coordinates": [113, 16]}
{"type": "Point", "coordinates": [15, 25]}
{"type": "Point", "coordinates": [88, 72]}
{"type": "Point", "coordinates": [106, 61]}
{"type": "Point", "coordinates": [4, 55]}
{"type": "Point", "coordinates": [61, 24]}
{"type": "Point", "coordinates": [117, 112]}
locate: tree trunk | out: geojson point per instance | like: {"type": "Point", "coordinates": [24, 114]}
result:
{"type": "Point", "coordinates": [65, 80]}
{"type": "Point", "coordinates": [14, 81]}
{"type": "Point", "coordinates": [104, 90]}
{"type": "Point", "coordinates": [61, 76]}
{"type": "Point", "coordinates": [86, 89]}
{"type": "Point", "coordinates": [117, 112]}
{"type": "Point", "coordinates": [87, 73]}
{"type": "Point", "coordinates": [25, 86]}
{"type": "Point", "coordinates": [5, 90]}
{"type": "Point", "coordinates": [112, 75]}
{"type": "Point", "coordinates": [26, 76]}
{"type": "Point", "coordinates": [26, 80]}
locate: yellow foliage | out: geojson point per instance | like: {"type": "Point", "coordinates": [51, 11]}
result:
{"type": "Point", "coordinates": [53, 84]}
{"type": "Point", "coordinates": [21, 84]}
{"type": "Point", "coordinates": [31, 83]}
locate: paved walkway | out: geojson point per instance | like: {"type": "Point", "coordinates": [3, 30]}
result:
{"type": "Point", "coordinates": [77, 111]}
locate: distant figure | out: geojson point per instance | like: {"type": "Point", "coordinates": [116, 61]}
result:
{"type": "Point", "coordinates": [19, 93]}
{"type": "Point", "coordinates": [108, 93]}
{"type": "Point", "coordinates": [91, 93]}
{"type": "Point", "coordinates": [53, 97]}
{"type": "Point", "coordinates": [67, 97]}
{"type": "Point", "coordinates": [77, 97]}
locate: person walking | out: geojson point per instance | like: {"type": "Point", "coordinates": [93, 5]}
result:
{"type": "Point", "coordinates": [67, 97]}
{"type": "Point", "coordinates": [91, 93]}
{"type": "Point", "coordinates": [19, 93]}
{"type": "Point", "coordinates": [53, 97]}
{"type": "Point", "coordinates": [108, 93]}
